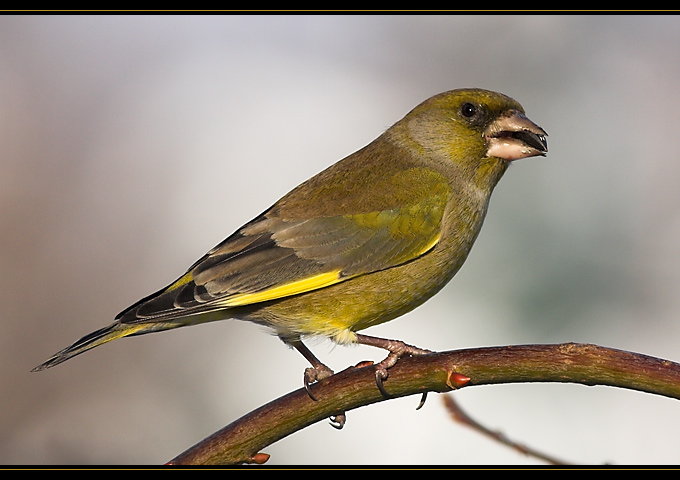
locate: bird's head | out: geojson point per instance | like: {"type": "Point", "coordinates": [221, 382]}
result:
{"type": "Point", "coordinates": [468, 127]}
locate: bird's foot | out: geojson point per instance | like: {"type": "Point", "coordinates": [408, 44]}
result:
{"type": "Point", "coordinates": [397, 349]}
{"type": "Point", "coordinates": [318, 371]}
{"type": "Point", "coordinates": [314, 374]}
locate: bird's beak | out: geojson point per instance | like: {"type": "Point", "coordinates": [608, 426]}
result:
{"type": "Point", "coordinates": [514, 136]}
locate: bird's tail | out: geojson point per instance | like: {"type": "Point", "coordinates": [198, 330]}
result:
{"type": "Point", "coordinates": [94, 339]}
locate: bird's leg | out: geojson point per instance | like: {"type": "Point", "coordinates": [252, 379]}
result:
{"type": "Point", "coordinates": [318, 371]}
{"type": "Point", "coordinates": [397, 349]}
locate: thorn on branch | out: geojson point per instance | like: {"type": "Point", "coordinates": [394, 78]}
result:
{"type": "Point", "coordinates": [457, 380]}
{"type": "Point", "coordinates": [259, 458]}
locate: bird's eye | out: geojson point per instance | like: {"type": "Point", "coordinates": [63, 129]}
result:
{"type": "Point", "coordinates": [468, 110]}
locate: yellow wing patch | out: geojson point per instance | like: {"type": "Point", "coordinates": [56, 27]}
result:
{"type": "Point", "coordinates": [293, 288]}
{"type": "Point", "coordinates": [300, 286]}
{"type": "Point", "coordinates": [286, 290]}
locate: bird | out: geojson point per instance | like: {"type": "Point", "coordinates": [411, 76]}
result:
{"type": "Point", "coordinates": [363, 242]}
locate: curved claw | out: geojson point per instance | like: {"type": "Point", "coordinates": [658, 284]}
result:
{"type": "Point", "coordinates": [422, 401]}
{"type": "Point", "coordinates": [338, 421]}
{"type": "Point", "coordinates": [314, 374]}
{"type": "Point", "coordinates": [380, 375]}
{"type": "Point", "coordinates": [308, 379]}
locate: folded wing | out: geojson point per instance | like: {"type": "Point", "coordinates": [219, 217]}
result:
{"type": "Point", "coordinates": [273, 256]}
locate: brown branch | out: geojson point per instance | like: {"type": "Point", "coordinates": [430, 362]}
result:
{"type": "Point", "coordinates": [354, 387]}
{"type": "Point", "coordinates": [460, 416]}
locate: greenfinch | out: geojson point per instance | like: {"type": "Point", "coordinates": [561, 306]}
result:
{"type": "Point", "coordinates": [366, 240]}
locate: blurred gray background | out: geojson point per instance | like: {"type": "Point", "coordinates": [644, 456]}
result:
{"type": "Point", "coordinates": [130, 145]}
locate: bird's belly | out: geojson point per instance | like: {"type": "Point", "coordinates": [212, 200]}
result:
{"type": "Point", "coordinates": [341, 309]}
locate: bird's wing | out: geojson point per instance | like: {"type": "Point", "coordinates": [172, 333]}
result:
{"type": "Point", "coordinates": [274, 257]}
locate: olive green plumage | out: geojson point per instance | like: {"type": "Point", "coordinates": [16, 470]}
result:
{"type": "Point", "coordinates": [363, 242]}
